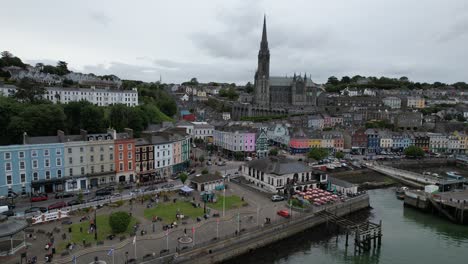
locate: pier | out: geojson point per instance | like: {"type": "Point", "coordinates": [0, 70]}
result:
{"type": "Point", "coordinates": [451, 205]}
{"type": "Point", "coordinates": [366, 234]}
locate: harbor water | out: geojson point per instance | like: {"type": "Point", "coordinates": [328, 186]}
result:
{"type": "Point", "coordinates": [409, 236]}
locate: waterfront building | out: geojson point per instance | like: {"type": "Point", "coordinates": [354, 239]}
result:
{"type": "Point", "coordinates": [282, 175]}
{"type": "Point", "coordinates": [373, 141]}
{"type": "Point", "coordinates": [124, 146]}
{"type": "Point", "coordinates": [144, 160]}
{"type": "Point", "coordinates": [359, 141]}
{"type": "Point", "coordinates": [207, 182]}
{"type": "Point", "coordinates": [235, 139]}
{"type": "Point", "coordinates": [386, 140]}
{"type": "Point", "coordinates": [278, 134]}
{"type": "Point", "coordinates": [203, 130]}
{"type": "Point", "coordinates": [421, 140]}
{"type": "Point", "coordinates": [438, 142]}
{"type": "Point", "coordinates": [261, 144]}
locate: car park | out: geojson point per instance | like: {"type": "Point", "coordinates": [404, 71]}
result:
{"type": "Point", "coordinates": [58, 205]}
{"type": "Point", "coordinates": [283, 213]}
{"type": "Point", "coordinates": [63, 195]}
{"type": "Point", "coordinates": [39, 197]}
{"type": "Point", "coordinates": [277, 198]}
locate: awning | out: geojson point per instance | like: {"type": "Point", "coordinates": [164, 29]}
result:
{"type": "Point", "coordinates": [186, 189]}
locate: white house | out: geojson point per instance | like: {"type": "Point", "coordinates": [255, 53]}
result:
{"type": "Point", "coordinates": [392, 102]}
{"type": "Point", "coordinates": [207, 182]}
{"type": "Point", "coordinates": [100, 97]}
{"type": "Point", "coordinates": [226, 116]}
{"type": "Point", "coordinates": [184, 98]}
{"type": "Point", "coordinates": [342, 186]}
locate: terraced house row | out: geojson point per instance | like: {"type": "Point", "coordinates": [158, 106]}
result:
{"type": "Point", "coordinates": [78, 162]}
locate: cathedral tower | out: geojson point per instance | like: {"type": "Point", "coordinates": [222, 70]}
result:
{"type": "Point", "coordinates": [262, 75]}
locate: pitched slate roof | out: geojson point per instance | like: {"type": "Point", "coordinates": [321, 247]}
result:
{"type": "Point", "coordinates": [206, 178]}
{"type": "Point", "coordinates": [279, 165]}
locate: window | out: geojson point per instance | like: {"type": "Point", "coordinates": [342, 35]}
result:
{"type": "Point", "coordinates": [70, 160]}
{"type": "Point", "coordinates": [111, 167]}
{"type": "Point", "coordinates": [158, 164]}
{"type": "Point", "coordinates": [164, 163]}
{"type": "Point", "coordinates": [35, 176]}
{"type": "Point", "coordinates": [102, 168]}
{"type": "Point", "coordinates": [111, 156]}
{"type": "Point", "coordinates": [9, 180]}
{"type": "Point", "coordinates": [137, 157]}
{"type": "Point", "coordinates": [82, 170]}
{"type": "Point", "coordinates": [81, 149]}
{"type": "Point", "coordinates": [71, 171]}
{"type": "Point", "coordinates": [8, 166]}
{"type": "Point", "coordinates": [120, 147]}
{"type": "Point", "coordinates": [46, 152]}
{"type": "Point", "coordinates": [120, 155]}
{"type": "Point", "coordinates": [129, 155]}
{"type": "Point", "coordinates": [92, 169]}
{"type": "Point", "coordinates": [144, 156]}
{"type": "Point", "coordinates": [58, 151]}
{"type": "Point", "coordinates": [129, 146]}
{"type": "Point", "coordinates": [121, 166]}
{"type": "Point", "coordinates": [69, 150]}
{"type": "Point", "coordinates": [46, 163]}
{"type": "Point", "coordinates": [158, 155]}
{"type": "Point", "coordinates": [21, 154]}
{"type": "Point", "coordinates": [7, 155]}
{"type": "Point", "coordinates": [101, 149]}
{"type": "Point", "coordinates": [59, 173]}
{"type": "Point", "coordinates": [33, 153]}
{"type": "Point", "coordinates": [91, 149]}
{"type": "Point", "coordinates": [23, 177]}
{"type": "Point", "coordinates": [47, 175]}
{"type": "Point", "coordinates": [81, 159]}
{"type": "Point", "coordinates": [91, 158]}
{"type": "Point", "coordinates": [130, 165]}
{"type": "Point", "coordinates": [101, 158]}
{"type": "Point", "coordinates": [22, 165]}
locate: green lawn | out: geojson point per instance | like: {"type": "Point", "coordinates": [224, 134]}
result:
{"type": "Point", "coordinates": [167, 211]}
{"type": "Point", "coordinates": [102, 226]}
{"type": "Point", "coordinates": [231, 202]}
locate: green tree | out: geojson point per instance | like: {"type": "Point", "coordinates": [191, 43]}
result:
{"type": "Point", "coordinates": [119, 221]}
{"type": "Point", "coordinates": [345, 79]}
{"type": "Point", "coordinates": [80, 196]}
{"type": "Point", "coordinates": [273, 152]}
{"type": "Point", "coordinates": [201, 159]}
{"type": "Point", "coordinates": [183, 177]}
{"type": "Point", "coordinates": [317, 153]}
{"type": "Point", "coordinates": [249, 88]}
{"type": "Point", "coordinates": [205, 171]}
{"type": "Point", "coordinates": [414, 152]}
{"type": "Point", "coordinates": [333, 80]}
{"type": "Point", "coordinates": [339, 155]}
{"type": "Point", "coordinates": [62, 68]}
{"type": "Point", "coordinates": [28, 91]}
{"type": "Point", "coordinates": [92, 119]}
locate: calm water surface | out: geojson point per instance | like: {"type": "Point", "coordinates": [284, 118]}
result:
{"type": "Point", "coordinates": [409, 236]}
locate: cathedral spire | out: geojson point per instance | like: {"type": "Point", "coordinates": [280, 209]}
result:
{"type": "Point", "coordinates": [264, 43]}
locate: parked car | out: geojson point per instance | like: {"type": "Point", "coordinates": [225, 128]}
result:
{"type": "Point", "coordinates": [283, 213]}
{"type": "Point", "coordinates": [63, 195]}
{"type": "Point", "coordinates": [192, 172]}
{"type": "Point", "coordinates": [39, 197]}
{"type": "Point", "coordinates": [222, 163]}
{"type": "Point", "coordinates": [8, 213]}
{"type": "Point", "coordinates": [73, 202]}
{"type": "Point", "coordinates": [58, 205]}
{"type": "Point", "coordinates": [209, 163]}
{"type": "Point", "coordinates": [277, 198]}
{"type": "Point", "coordinates": [103, 192]}
{"type": "Point", "coordinates": [248, 158]}
{"type": "Point", "coordinates": [35, 210]}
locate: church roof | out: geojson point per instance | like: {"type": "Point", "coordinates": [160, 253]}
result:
{"type": "Point", "coordinates": [287, 81]}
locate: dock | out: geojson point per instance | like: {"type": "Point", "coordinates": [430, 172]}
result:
{"type": "Point", "coordinates": [452, 205]}
{"type": "Point", "coordinates": [365, 234]}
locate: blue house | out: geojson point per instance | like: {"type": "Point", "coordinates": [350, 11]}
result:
{"type": "Point", "coordinates": [36, 166]}
{"type": "Point", "coordinates": [373, 141]}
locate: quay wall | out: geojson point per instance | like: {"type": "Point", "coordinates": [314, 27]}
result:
{"type": "Point", "coordinates": [249, 241]}
{"type": "Point", "coordinates": [416, 201]}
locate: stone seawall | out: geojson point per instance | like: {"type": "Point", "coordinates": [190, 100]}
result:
{"type": "Point", "coordinates": [249, 241]}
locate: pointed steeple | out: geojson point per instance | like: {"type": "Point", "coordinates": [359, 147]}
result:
{"type": "Point", "coordinates": [264, 43]}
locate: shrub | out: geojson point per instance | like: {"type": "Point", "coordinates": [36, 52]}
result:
{"type": "Point", "coordinates": [119, 222]}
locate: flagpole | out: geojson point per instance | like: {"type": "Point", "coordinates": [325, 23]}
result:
{"type": "Point", "coordinates": [224, 200]}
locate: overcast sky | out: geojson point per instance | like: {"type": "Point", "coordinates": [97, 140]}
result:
{"type": "Point", "coordinates": [213, 40]}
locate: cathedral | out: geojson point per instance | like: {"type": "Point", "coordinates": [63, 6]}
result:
{"type": "Point", "coordinates": [280, 92]}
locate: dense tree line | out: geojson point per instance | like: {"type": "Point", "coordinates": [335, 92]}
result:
{"type": "Point", "coordinates": [336, 85]}
{"type": "Point", "coordinates": [42, 118]}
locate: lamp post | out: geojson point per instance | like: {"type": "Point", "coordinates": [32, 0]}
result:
{"type": "Point", "coordinates": [126, 257]}
{"type": "Point", "coordinates": [95, 223]}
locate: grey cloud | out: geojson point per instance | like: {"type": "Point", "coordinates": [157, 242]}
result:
{"type": "Point", "coordinates": [100, 17]}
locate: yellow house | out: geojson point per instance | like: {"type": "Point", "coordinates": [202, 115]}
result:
{"type": "Point", "coordinates": [315, 143]}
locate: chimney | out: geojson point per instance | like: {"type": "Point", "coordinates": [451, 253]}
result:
{"type": "Point", "coordinates": [61, 135]}
{"type": "Point", "coordinates": [112, 132]}
{"type": "Point", "coordinates": [84, 134]}
{"type": "Point", "coordinates": [25, 138]}
{"type": "Point", "coordinates": [129, 131]}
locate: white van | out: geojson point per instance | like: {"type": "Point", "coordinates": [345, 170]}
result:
{"type": "Point", "coordinates": [3, 209]}
{"type": "Point", "coordinates": [198, 175]}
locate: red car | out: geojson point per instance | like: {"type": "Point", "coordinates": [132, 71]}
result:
{"type": "Point", "coordinates": [283, 213]}
{"type": "Point", "coordinates": [39, 197]}
{"type": "Point", "coordinates": [58, 205]}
